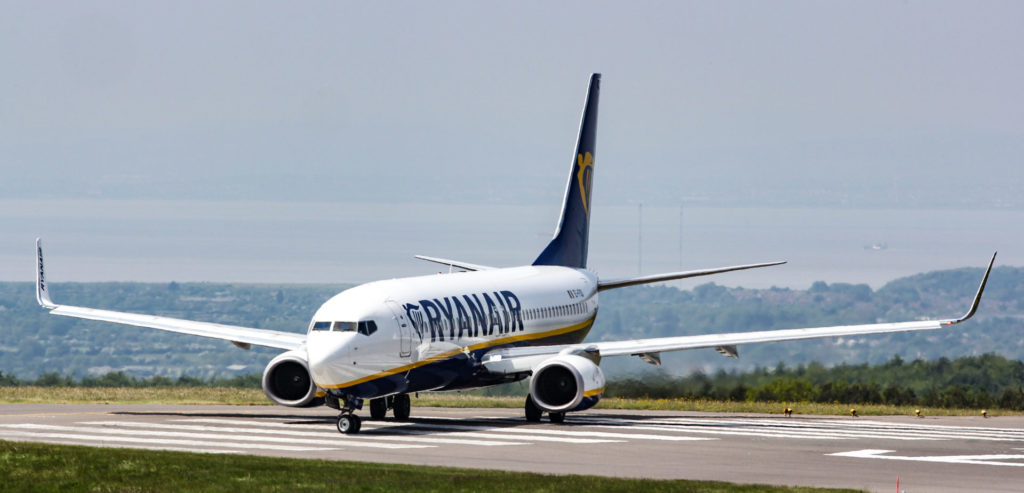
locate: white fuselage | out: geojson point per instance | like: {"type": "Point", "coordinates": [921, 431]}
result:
{"type": "Point", "coordinates": [429, 320]}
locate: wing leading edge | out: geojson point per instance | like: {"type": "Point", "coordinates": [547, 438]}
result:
{"type": "Point", "coordinates": [670, 276]}
{"type": "Point", "coordinates": [512, 360]}
{"type": "Point", "coordinates": [243, 337]}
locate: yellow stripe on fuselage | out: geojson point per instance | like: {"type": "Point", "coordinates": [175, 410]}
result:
{"type": "Point", "coordinates": [591, 393]}
{"type": "Point", "coordinates": [474, 347]}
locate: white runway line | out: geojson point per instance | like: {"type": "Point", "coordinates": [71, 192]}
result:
{"type": "Point", "coordinates": [921, 429]}
{"type": "Point", "coordinates": [403, 428]}
{"type": "Point", "coordinates": [535, 438]}
{"type": "Point", "coordinates": [104, 439]}
{"type": "Point", "coordinates": [214, 436]}
{"type": "Point", "coordinates": [762, 427]}
{"type": "Point", "coordinates": [816, 428]}
{"type": "Point", "coordinates": [292, 431]}
{"type": "Point", "coordinates": [545, 431]}
{"type": "Point", "coordinates": [984, 459]}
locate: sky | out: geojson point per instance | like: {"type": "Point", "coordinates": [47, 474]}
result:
{"type": "Point", "coordinates": [206, 106]}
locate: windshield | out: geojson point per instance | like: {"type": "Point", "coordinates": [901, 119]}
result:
{"type": "Point", "coordinates": [365, 327]}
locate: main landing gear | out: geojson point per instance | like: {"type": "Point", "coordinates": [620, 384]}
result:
{"type": "Point", "coordinates": [533, 413]}
{"type": "Point", "coordinates": [399, 404]}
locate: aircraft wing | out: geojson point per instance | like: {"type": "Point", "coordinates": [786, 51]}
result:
{"type": "Point", "coordinates": [454, 263]}
{"type": "Point", "coordinates": [513, 360]}
{"type": "Point", "coordinates": [243, 337]}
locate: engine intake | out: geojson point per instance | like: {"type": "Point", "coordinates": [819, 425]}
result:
{"type": "Point", "coordinates": [287, 381]}
{"type": "Point", "coordinates": [566, 383]}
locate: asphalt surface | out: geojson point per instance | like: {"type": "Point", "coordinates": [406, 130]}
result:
{"type": "Point", "coordinates": [926, 454]}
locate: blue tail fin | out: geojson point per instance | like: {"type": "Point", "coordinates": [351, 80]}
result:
{"type": "Point", "coordinates": [569, 246]}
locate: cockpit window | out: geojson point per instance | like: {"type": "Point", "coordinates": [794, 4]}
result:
{"type": "Point", "coordinates": [368, 327]}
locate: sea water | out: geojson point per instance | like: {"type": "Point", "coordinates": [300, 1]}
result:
{"type": "Point", "coordinates": [337, 242]}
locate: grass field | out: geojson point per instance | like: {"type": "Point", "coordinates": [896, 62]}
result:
{"type": "Point", "coordinates": [45, 467]}
{"type": "Point", "coordinates": [238, 396]}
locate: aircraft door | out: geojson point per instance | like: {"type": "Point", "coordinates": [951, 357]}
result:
{"type": "Point", "coordinates": [404, 331]}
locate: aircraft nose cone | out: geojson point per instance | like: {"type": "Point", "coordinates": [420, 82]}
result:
{"type": "Point", "coordinates": [327, 356]}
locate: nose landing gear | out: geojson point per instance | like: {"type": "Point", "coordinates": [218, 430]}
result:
{"type": "Point", "coordinates": [348, 422]}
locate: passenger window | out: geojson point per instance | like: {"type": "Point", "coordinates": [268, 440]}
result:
{"type": "Point", "coordinates": [344, 326]}
{"type": "Point", "coordinates": [321, 326]}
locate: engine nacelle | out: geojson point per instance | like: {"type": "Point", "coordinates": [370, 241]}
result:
{"type": "Point", "coordinates": [566, 383]}
{"type": "Point", "coordinates": [287, 381]}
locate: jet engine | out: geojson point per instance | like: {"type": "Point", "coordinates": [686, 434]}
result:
{"type": "Point", "coordinates": [565, 383]}
{"type": "Point", "coordinates": [286, 381]}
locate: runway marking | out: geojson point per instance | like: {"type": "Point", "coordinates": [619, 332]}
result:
{"type": "Point", "coordinates": [103, 439]}
{"type": "Point", "coordinates": [532, 433]}
{"type": "Point", "coordinates": [985, 460]}
{"type": "Point", "coordinates": [335, 436]}
{"type": "Point", "coordinates": [211, 436]}
{"type": "Point", "coordinates": [411, 428]}
{"type": "Point", "coordinates": [540, 431]}
{"type": "Point", "coordinates": [535, 438]}
{"type": "Point", "coordinates": [810, 428]}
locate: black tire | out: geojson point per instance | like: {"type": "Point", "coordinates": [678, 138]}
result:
{"type": "Point", "coordinates": [349, 424]}
{"type": "Point", "coordinates": [556, 417]}
{"type": "Point", "coordinates": [402, 407]}
{"type": "Point", "coordinates": [533, 413]}
{"type": "Point", "coordinates": [378, 408]}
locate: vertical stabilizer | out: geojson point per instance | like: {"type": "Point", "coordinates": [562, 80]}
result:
{"type": "Point", "coordinates": [569, 246]}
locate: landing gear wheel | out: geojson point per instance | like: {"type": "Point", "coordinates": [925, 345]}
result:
{"type": "Point", "coordinates": [378, 408]}
{"type": "Point", "coordinates": [532, 411]}
{"type": "Point", "coordinates": [402, 407]}
{"type": "Point", "coordinates": [349, 424]}
{"type": "Point", "coordinates": [556, 417]}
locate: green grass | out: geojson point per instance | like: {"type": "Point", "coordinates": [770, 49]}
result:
{"type": "Point", "coordinates": [248, 397]}
{"type": "Point", "coordinates": [132, 395]}
{"type": "Point", "coordinates": [45, 467]}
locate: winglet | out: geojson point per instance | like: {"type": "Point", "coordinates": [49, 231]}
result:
{"type": "Point", "coordinates": [42, 295]}
{"type": "Point", "coordinates": [977, 297]}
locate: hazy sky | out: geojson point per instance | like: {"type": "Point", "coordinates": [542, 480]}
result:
{"type": "Point", "coordinates": [463, 101]}
{"type": "Point", "coordinates": [806, 104]}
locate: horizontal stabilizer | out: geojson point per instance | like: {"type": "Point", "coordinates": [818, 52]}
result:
{"type": "Point", "coordinates": [669, 276]}
{"type": "Point", "coordinates": [454, 263]}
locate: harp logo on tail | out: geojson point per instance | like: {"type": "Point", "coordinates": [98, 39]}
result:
{"type": "Point", "coordinates": [586, 165]}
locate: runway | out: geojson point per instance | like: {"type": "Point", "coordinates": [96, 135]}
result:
{"type": "Point", "coordinates": [926, 454]}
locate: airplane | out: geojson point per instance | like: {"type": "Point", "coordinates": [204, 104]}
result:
{"type": "Point", "coordinates": [475, 327]}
